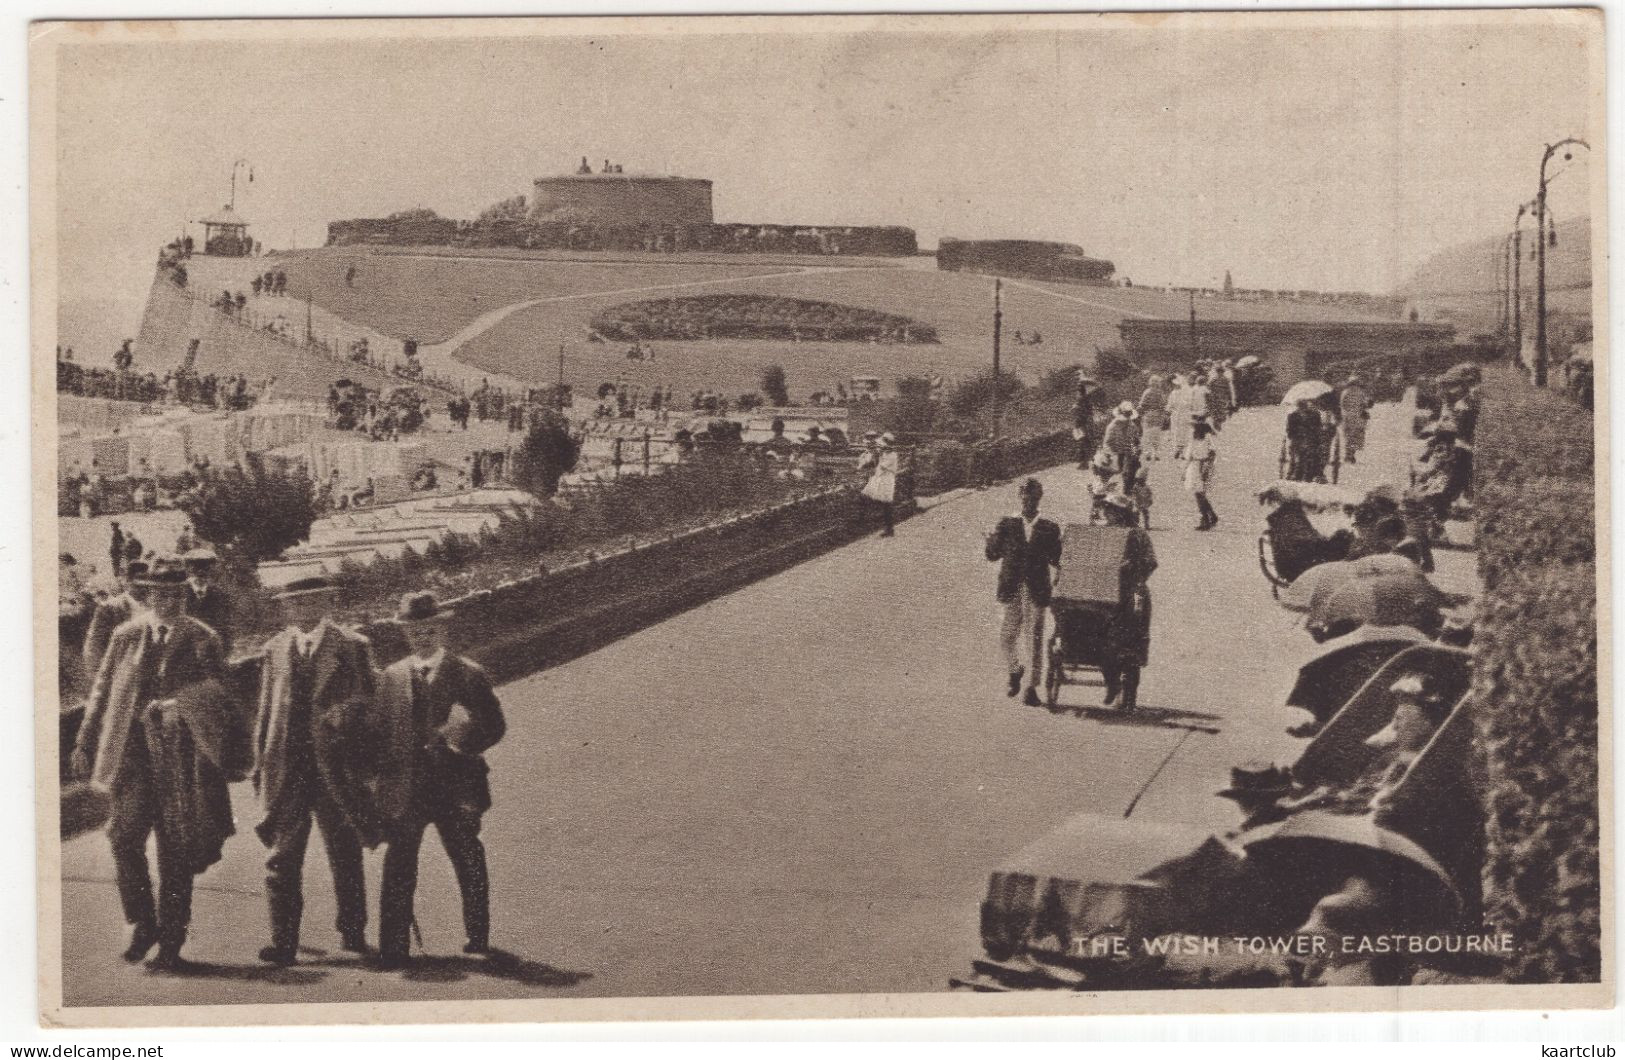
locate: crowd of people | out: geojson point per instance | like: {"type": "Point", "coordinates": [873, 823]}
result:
{"type": "Point", "coordinates": [372, 756]}
{"type": "Point", "coordinates": [184, 385]}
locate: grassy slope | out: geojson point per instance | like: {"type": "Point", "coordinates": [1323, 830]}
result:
{"type": "Point", "coordinates": [432, 297]}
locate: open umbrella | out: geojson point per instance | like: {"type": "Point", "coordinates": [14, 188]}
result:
{"type": "Point", "coordinates": [1391, 598]}
{"type": "Point", "coordinates": [1308, 390]}
{"type": "Point", "coordinates": [1317, 850]}
{"type": "Point", "coordinates": [1317, 583]}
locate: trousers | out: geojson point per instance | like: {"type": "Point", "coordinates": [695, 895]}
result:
{"type": "Point", "coordinates": [310, 800]}
{"type": "Point", "coordinates": [1021, 634]}
{"type": "Point", "coordinates": [460, 836]}
{"type": "Point", "coordinates": [132, 818]}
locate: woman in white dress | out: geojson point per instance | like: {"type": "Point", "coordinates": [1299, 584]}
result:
{"type": "Point", "coordinates": [1179, 415]}
{"type": "Point", "coordinates": [881, 488]}
{"type": "Point", "coordinates": [1199, 457]}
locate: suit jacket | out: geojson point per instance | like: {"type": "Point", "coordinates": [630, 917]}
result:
{"type": "Point", "coordinates": [134, 673]}
{"type": "Point", "coordinates": [110, 614]}
{"type": "Point", "coordinates": [1024, 562]}
{"type": "Point", "coordinates": [213, 609]}
{"type": "Point", "coordinates": [416, 771]}
{"type": "Point", "coordinates": [343, 686]}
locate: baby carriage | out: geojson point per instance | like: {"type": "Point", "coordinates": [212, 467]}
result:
{"type": "Point", "coordinates": [1102, 613]}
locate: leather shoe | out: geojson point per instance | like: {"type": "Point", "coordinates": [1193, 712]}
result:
{"type": "Point", "coordinates": [142, 939]}
{"type": "Point", "coordinates": [1031, 698]}
{"type": "Point", "coordinates": [354, 942]}
{"type": "Point", "coordinates": [281, 956]}
{"type": "Point", "coordinates": [390, 962]}
{"type": "Point", "coordinates": [477, 949]}
{"type": "Point", "coordinates": [1015, 682]}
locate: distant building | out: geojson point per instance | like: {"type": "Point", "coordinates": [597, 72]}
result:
{"type": "Point", "coordinates": [612, 196]}
{"type": "Point", "coordinates": [225, 234]}
{"type": "Point", "coordinates": [1296, 349]}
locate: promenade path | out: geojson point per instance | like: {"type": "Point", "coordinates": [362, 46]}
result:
{"type": "Point", "coordinates": [799, 787]}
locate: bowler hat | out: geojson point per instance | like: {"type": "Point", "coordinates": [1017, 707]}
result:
{"type": "Point", "coordinates": [1257, 780]}
{"type": "Point", "coordinates": [200, 557]}
{"type": "Point", "coordinates": [420, 607]}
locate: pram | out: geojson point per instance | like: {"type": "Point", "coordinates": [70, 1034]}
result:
{"type": "Point", "coordinates": [1101, 623]}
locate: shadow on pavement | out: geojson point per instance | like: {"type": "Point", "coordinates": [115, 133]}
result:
{"type": "Point", "coordinates": [1145, 717]}
{"type": "Point", "coordinates": [499, 964]}
{"type": "Point", "coordinates": [245, 973]}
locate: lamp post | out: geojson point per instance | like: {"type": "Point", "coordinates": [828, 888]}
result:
{"type": "Point", "coordinates": [1517, 282]}
{"type": "Point", "coordinates": [998, 328]}
{"type": "Point", "coordinates": [1540, 268]}
{"type": "Point", "coordinates": [241, 163]}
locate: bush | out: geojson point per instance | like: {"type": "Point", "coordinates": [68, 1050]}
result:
{"type": "Point", "coordinates": [1535, 679]}
{"type": "Point", "coordinates": [546, 455]}
{"type": "Point", "coordinates": [253, 513]}
{"type": "Point", "coordinates": [775, 386]}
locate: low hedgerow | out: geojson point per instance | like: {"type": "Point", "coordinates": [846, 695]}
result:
{"type": "Point", "coordinates": [1535, 679]}
{"type": "Point", "coordinates": [1535, 684]}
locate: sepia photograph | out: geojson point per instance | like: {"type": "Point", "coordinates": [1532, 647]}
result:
{"type": "Point", "coordinates": [820, 516]}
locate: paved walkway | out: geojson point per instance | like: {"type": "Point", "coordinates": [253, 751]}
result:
{"type": "Point", "coordinates": [799, 787]}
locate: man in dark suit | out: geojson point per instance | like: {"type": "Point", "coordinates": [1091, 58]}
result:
{"type": "Point", "coordinates": [315, 678]}
{"type": "Point", "coordinates": [153, 658]}
{"type": "Point", "coordinates": [437, 717]}
{"type": "Point", "coordinates": [206, 601]}
{"type": "Point", "coordinates": [1028, 551]}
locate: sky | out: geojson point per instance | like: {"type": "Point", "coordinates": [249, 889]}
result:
{"type": "Point", "coordinates": [1313, 157]}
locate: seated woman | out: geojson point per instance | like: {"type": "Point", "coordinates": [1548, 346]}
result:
{"type": "Point", "coordinates": [1419, 710]}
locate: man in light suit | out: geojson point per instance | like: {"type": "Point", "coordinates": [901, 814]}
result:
{"type": "Point", "coordinates": [1028, 551]}
{"type": "Point", "coordinates": [151, 659]}
{"type": "Point", "coordinates": [314, 677]}
{"type": "Point", "coordinates": [112, 613]}
{"type": "Point", "coordinates": [437, 717]}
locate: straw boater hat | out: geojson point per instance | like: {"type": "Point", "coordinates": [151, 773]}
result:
{"type": "Point", "coordinates": [420, 607]}
{"type": "Point", "coordinates": [1257, 780]}
{"type": "Point", "coordinates": [1118, 500]}
{"type": "Point", "coordinates": [301, 588]}
{"type": "Point", "coordinates": [888, 439]}
{"type": "Point", "coordinates": [1125, 410]}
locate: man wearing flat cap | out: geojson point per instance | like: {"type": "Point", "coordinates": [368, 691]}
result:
{"type": "Point", "coordinates": [154, 662]}
{"type": "Point", "coordinates": [437, 716]}
{"type": "Point", "coordinates": [316, 677]}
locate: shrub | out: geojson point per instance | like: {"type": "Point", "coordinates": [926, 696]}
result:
{"type": "Point", "coordinates": [1535, 679]}
{"type": "Point", "coordinates": [252, 512]}
{"type": "Point", "coordinates": [546, 454]}
{"type": "Point", "coordinates": [775, 386]}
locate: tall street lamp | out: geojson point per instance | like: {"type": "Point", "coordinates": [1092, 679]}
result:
{"type": "Point", "coordinates": [1517, 282]}
{"type": "Point", "coordinates": [1541, 237]}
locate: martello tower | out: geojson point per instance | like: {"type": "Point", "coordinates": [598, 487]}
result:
{"type": "Point", "coordinates": [612, 196]}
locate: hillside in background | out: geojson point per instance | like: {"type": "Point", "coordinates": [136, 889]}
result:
{"type": "Point", "coordinates": [1475, 267]}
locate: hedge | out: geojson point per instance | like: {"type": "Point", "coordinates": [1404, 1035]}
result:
{"type": "Point", "coordinates": [1535, 679]}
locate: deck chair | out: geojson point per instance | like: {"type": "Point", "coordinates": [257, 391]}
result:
{"type": "Point", "coordinates": [1338, 753]}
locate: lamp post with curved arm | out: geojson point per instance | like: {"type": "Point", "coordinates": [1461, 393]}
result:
{"type": "Point", "coordinates": [1540, 269]}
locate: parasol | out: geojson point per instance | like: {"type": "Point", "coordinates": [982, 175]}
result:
{"type": "Point", "coordinates": [1308, 390]}
{"type": "Point", "coordinates": [1391, 598]}
{"type": "Point", "coordinates": [1317, 583]}
{"type": "Point", "coordinates": [1318, 850]}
